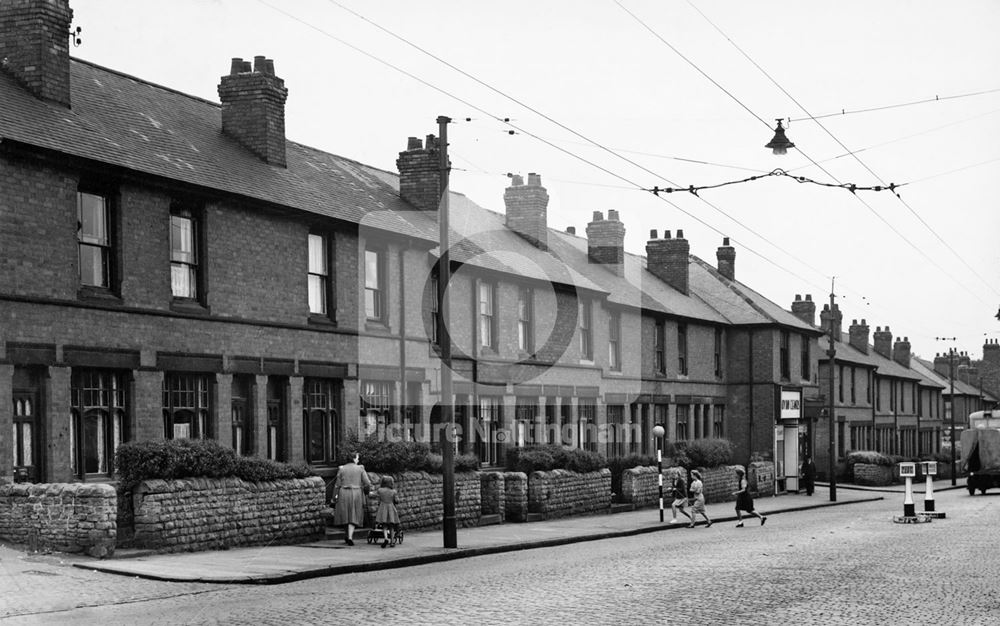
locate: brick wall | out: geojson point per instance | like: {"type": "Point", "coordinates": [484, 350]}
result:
{"type": "Point", "coordinates": [65, 517]}
{"type": "Point", "coordinates": [419, 498]}
{"type": "Point", "coordinates": [212, 514]}
{"type": "Point", "coordinates": [561, 493]}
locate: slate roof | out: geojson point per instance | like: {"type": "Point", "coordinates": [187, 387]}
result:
{"type": "Point", "coordinates": [123, 121]}
{"type": "Point", "coordinates": [961, 387]}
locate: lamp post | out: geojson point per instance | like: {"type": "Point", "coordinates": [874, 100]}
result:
{"type": "Point", "coordinates": [951, 377]}
{"type": "Point", "coordinates": [658, 432]}
{"type": "Point", "coordinates": [832, 353]}
{"type": "Point", "coordinates": [447, 412]}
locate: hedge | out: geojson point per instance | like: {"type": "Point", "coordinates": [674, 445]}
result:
{"type": "Point", "coordinates": [868, 456]}
{"type": "Point", "coordinates": [693, 453]}
{"type": "Point", "coordinates": [136, 461]}
{"type": "Point", "coordinates": [544, 458]}
{"type": "Point", "coordinates": [396, 457]}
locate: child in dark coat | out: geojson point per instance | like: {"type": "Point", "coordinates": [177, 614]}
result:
{"type": "Point", "coordinates": [387, 515]}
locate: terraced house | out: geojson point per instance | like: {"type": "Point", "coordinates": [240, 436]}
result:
{"type": "Point", "coordinates": [172, 267]}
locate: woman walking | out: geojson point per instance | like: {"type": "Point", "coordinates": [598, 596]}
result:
{"type": "Point", "coordinates": [350, 488]}
{"type": "Point", "coordinates": [744, 502]}
{"type": "Point", "coordinates": [698, 499]}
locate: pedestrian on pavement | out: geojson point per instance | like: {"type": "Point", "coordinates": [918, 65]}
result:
{"type": "Point", "coordinates": [678, 492]}
{"type": "Point", "coordinates": [698, 499]}
{"type": "Point", "coordinates": [350, 487]}
{"type": "Point", "coordinates": [744, 502]}
{"type": "Point", "coordinates": [809, 475]}
{"type": "Point", "coordinates": [387, 516]}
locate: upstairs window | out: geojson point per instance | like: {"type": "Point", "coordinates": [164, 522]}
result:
{"type": "Point", "coordinates": [614, 340]}
{"type": "Point", "coordinates": [718, 353]}
{"type": "Point", "coordinates": [783, 356]}
{"type": "Point", "coordinates": [804, 355]}
{"type": "Point", "coordinates": [682, 349]}
{"type": "Point", "coordinates": [184, 261]}
{"type": "Point", "coordinates": [94, 239]}
{"type": "Point", "coordinates": [659, 349]}
{"type": "Point", "coordinates": [586, 339]}
{"type": "Point", "coordinates": [525, 321]}
{"type": "Point", "coordinates": [375, 285]}
{"type": "Point", "coordinates": [487, 315]}
{"type": "Point", "coordinates": [319, 275]}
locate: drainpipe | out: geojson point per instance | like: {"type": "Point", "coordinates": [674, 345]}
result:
{"type": "Point", "coordinates": [402, 335]}
{"type": "Point", "coordinates": [750, 402]}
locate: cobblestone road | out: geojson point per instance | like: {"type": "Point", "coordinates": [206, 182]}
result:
{"type": "Point", "coordinates": [842, 565]}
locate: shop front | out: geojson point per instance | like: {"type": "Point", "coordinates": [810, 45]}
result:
{"type": "Point", "coordinates": [787, 432]}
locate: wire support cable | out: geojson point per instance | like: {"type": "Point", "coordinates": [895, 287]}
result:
{"type": "Point", "coordinates": [779, 173]}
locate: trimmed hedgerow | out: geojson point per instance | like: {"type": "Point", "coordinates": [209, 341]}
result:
{"type": "Point", "coordinates": [396, 457]}
{"type": "Point", "coordinates": [868, 456]}
{"type": "Point", "coordinates": [136, 461]}
{"type": "Point", "coordinates": [618, 465]}
{"type": "Point", "coordinates": [542, 458]}
{"type": "Point", "coordinates": [701, 452]}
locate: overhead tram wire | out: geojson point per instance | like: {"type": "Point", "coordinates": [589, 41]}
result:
{"type": "Point", "coordinates": [891, 106]}
{"type": "Point", "coordinates": [903, 138]}
{"type": "Point", "coordinates": [864, 165]}
{"type": "Point", "coordinates": [590, 141]}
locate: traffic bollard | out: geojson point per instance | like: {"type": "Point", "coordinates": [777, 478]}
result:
{"type": "Point", "coordinates": [908, 471]}
{"type": "Point", "coordinates": [930, 470]}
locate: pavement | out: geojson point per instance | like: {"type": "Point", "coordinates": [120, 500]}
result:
{"type": "Point", "coordinates": [274, 564]}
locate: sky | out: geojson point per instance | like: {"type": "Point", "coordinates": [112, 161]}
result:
{"type": "Point", "coordinates": [608, 99]}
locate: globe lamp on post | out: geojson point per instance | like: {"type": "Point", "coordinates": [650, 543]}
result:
{"type": "Point", "coordinates": [658, 432]}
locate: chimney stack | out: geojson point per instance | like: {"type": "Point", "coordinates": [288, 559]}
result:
{"type": "Point", "coordinates": [901, 352]}
{"type": "Point", "coordinates": [805, 310]}
{"type": "Point", "coordinates": [963, 359]}
{"type": "Point", "coordinates": [527, 209]}
{"type": "Point", "coordinates": [990, 366]}
{"type": "Point", "coordinates": [253, 108]}
{"type": "Point", "coordinates": [726, 256]}
{"type": "Point", "coordinates": [420, 173]}
{"type": "Point", "coordinates": [883, 341]}
{"type": "Point", "coordinates": [668, 260]}
{"type": "Point", "coordinates": [836, 318]}
{"type": "Point", "coordinates": [34, 46]}
{"type": "Point", "coordinates": [859, 336]}
{"type": "Point", "coordinates": [941, 364]}
{"type": "Point", "coordinates": [606, 242]}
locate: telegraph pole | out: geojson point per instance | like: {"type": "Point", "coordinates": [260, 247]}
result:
{"type": "Point", "coordinates": [447, 412]}
{"type": "Point", "coordinates": [951, 377]}
{"type": "Point", "coordinates": [832, 353]}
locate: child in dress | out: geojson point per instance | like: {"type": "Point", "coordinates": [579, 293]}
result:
{"type": "Point", "coordinates": [387, 515]}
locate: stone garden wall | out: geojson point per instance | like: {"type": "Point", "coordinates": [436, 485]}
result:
{"type": "Point", "coordinates": [492, 489]}
{"type": "Point", "coordinates": [419, 498]}
{"type": "Point", "coordinates": [516, 496]}
{"type": "Point", "coordinates": [69, 517]}
{"type": "Point", "coordinates": [560, 493]}
{"type": "Point", "coordinates": [217, 513]}
{"type": "Point", "coordinates": [760, 475]}
{"type": "Point", "coordinates": [640, 487]}
{"type": "Point", "coordinates": [871, 474]}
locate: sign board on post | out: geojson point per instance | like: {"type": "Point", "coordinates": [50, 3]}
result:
{"type": "Point", "coordinates": [791, 404]}
{"type": "Point", "coordinates": [907, 469]}
{"type": "Point", "coordinates": [930, 468]}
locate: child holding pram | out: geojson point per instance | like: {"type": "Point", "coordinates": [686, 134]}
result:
{"type": "Point", "coordinates": [387, 516]}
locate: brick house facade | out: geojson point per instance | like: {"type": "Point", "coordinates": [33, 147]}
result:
{"type": "Point", "coordinates": [172, 267]}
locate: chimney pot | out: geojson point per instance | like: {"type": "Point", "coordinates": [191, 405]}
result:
{"type": "Point", "coordinates": [613, 215]}
{"type": "Point", "coordinates": [809, 297]}
{"type": "Point", "coordinates": [652, 234]}
{"type": "Point", "coordinates": [598, 216]}
{"type": "Point", "coordinates": [34, 46]}
{"type": "Point", "coordinates": [571, 230]}
{"type": "Point", "coordinates": [414, 143]}
{"type": "Point", "coordinates": [666, 234]}
{"type": "Point", "coordinates": [527, 210]}
{"type": "Point", "coordinates": [798, 297]}
{"type": "Point", "coordinates": [516, 180]}
{"type": "Point", "coordinates": [236, 67]}
{"type": "Point", "coordinates": [725, 241]}
{"type": "Point", "coordinates": [680, 234]}
{"type": "Point", "coordinates": [253, 109]}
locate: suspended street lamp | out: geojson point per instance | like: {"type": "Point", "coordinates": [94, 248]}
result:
{"type": "Point", "coordinates": [779, 144]}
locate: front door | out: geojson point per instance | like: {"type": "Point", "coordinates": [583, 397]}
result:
{"type": "Point", "coordinates": [791, 460]}
{"type": "Point", "coordinates": [26, 436]}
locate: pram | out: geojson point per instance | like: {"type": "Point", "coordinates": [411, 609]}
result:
{"type": "Point", "coordinates": [395, 533]}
